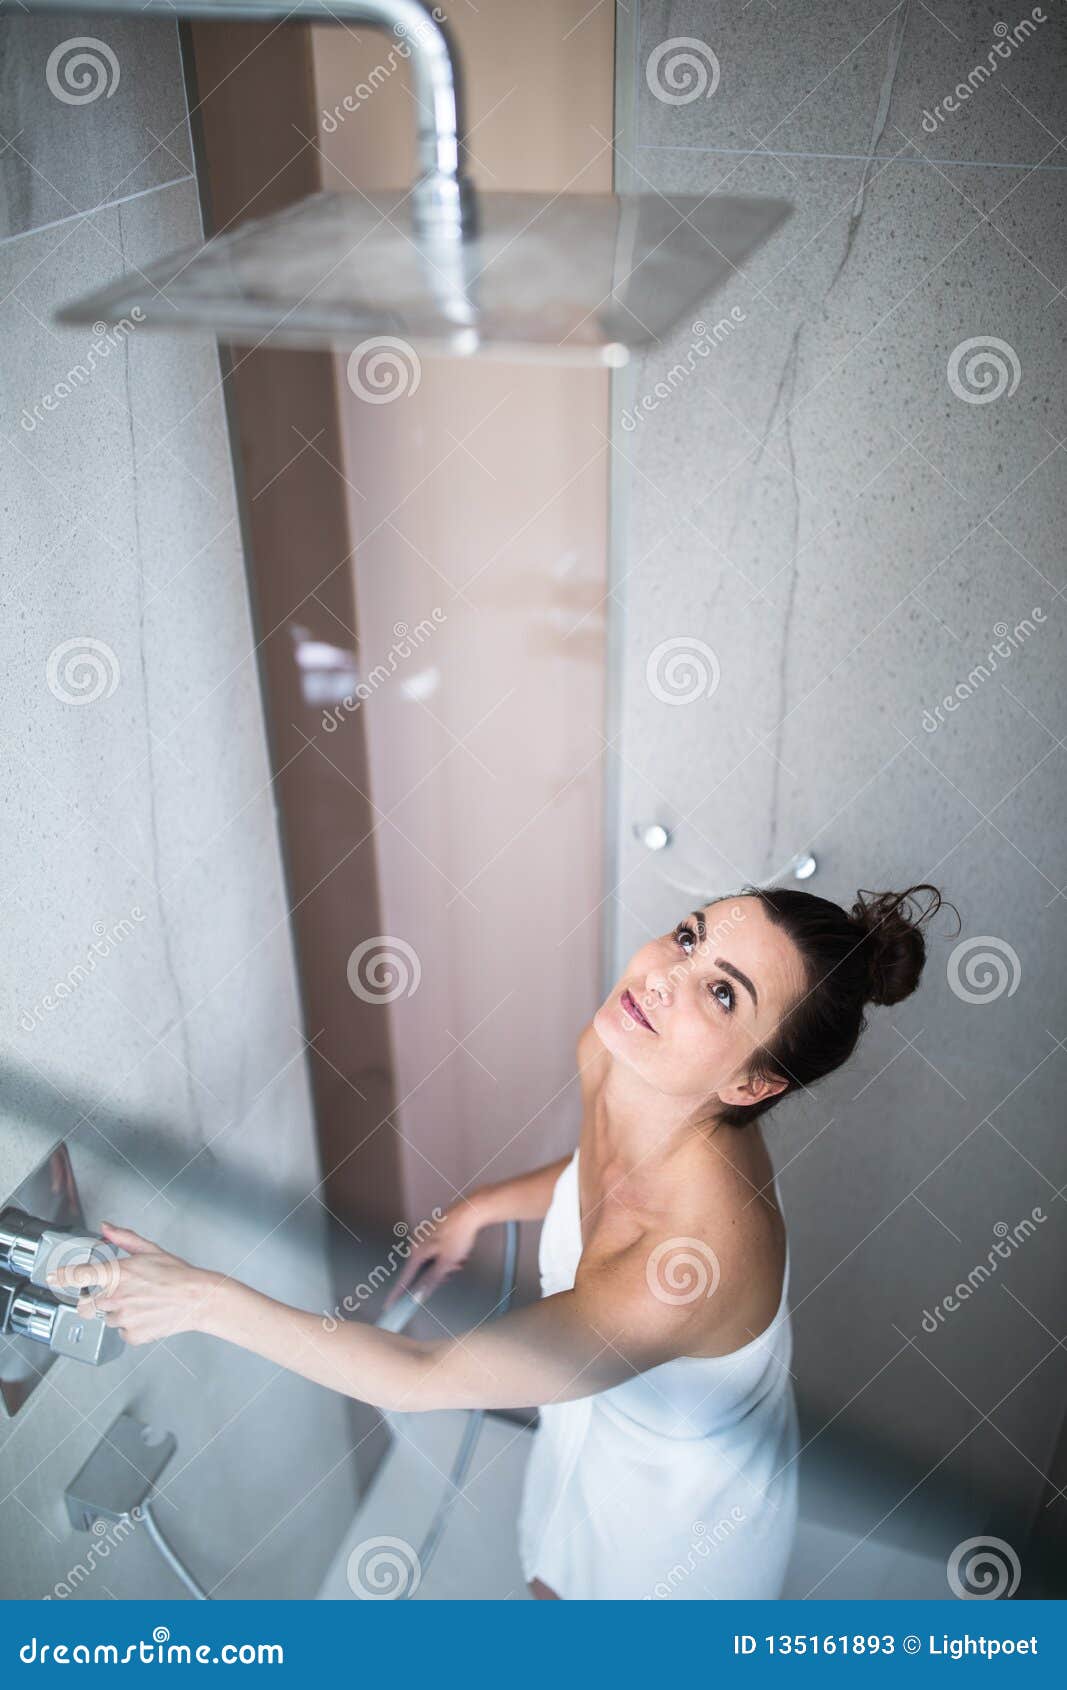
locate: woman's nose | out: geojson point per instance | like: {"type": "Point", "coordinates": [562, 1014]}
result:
{"type": "Point", "coordinates": [657, 986]}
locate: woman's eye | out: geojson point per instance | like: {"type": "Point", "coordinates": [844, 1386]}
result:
{"type": "Point", "coordinates": [683, 934]}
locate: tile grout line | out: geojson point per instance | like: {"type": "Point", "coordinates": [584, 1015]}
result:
{"type": "Point", "coordinates": [758, 151]}
{"type": "Point", "coordinates": [94, 210]}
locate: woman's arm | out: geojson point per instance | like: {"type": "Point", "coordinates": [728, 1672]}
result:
{"type": "Point", "coordinates": [443, 1249]}
{"type": "Point", "coordinates": [525, 1198]}
{"type": "Point", "coordinates": [554, 1350]}
{"type": "Point", "coordinates": [611, 1325]}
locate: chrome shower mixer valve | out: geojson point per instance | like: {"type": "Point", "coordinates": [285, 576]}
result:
{"type": "Point", "coordinates": [38, 1316]}
{"type": "Point", "coordinates": [29, 1251]}
{"type": "Point", "coordinates": [32, 1249]}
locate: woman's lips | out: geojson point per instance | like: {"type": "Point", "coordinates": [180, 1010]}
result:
{"type": "Point", "coordinates": [629, 1004]}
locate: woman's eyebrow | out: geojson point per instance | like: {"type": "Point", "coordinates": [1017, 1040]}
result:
{"type": "Point", "coordinates": [721, 962]}
{"type": "Point", "coordinates": [728, 968]}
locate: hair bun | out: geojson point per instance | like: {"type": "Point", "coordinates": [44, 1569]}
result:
{"type": "Point", "coordinates": [891, 936]}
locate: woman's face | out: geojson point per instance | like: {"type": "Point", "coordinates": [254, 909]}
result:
{"type": "Point", "coordinates": [693, 1005]}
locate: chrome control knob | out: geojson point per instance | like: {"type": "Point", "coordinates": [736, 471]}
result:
{"type": "Point", "coordinates": [32, 1249]}
{"type": "Point", "coordinates": [653, 835]}
{"type": "Point", "coordinates": [35, 1315]}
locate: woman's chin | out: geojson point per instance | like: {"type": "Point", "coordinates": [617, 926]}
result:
{"type": "Point", "coordinates": [606, 1025]}
{"type": "Point", "coordinates": [617, 1031]}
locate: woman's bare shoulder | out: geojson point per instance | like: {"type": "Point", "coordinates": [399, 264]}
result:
{"type": "Point", "coordinates": [740, 1218]}
{"type": "Point", "coordinates": [708, 1244]}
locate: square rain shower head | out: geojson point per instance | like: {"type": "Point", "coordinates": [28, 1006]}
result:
{"type": "Point", "coordinates": [583, 279]}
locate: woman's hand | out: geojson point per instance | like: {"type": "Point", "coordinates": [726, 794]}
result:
{"type": "Point", "coordinates": [441, 1254]}
{"type": "Point", "coordinates": [147, 1294]}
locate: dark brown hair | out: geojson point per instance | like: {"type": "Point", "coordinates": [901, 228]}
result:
{"type": "Point", "coordinates": [872, 953]}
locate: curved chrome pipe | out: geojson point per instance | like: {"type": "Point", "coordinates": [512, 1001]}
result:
{"type": "Point", "coordinates": [443, 198]}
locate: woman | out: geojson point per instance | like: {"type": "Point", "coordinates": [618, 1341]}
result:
{"type": "Point", "coordinates": [659, 1352]}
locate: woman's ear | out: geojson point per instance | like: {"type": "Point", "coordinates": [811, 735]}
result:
{"type": "Point", "coordinates": [753, 1090]}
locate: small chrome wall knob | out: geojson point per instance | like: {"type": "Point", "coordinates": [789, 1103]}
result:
{"type": "Point", "coordinates": [653, 835]}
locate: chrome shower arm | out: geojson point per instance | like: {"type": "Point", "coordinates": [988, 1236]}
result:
{"type": "Point", "coordinates": [443, 197]}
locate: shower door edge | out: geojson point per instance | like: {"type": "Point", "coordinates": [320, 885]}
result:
{"type": "Point", "coordinates": [620, 387]}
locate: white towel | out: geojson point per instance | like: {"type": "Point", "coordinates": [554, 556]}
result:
{"type": "Point", "coordinates": [680, 1483]}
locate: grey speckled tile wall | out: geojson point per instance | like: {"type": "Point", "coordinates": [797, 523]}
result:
{"type": "Point", "coordinates": [849, 529]}
{"type": "Point", "coordinates": [137, 815]}
{"type": "Point", "coordinates": [81, 125]}
{"type": "Point", "coordinates": [811, 77]}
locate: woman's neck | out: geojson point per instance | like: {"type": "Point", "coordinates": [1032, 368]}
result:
{"type": "Point", "coordinates": [648, 1143]}
{"type": "Point", "coordinates": [637, 1124]}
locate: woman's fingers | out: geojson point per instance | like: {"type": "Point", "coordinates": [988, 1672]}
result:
{"type": "Point", "coordinates": [77, 1275]}
{"type": "Point", "coordinates": [442, 1269]}
{"type": "Point", "coordinates": [127, 1239]}
{"type": "Point", "coordinates": [411, 1267]}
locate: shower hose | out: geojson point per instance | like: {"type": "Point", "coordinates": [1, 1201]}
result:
{"type": "Point", "coordinates": [394, 1320]}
